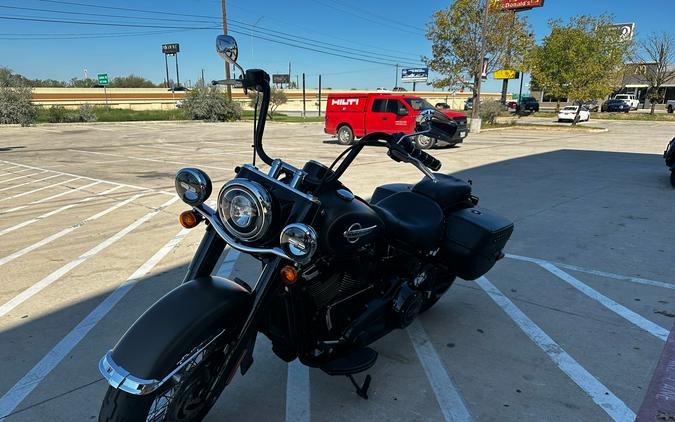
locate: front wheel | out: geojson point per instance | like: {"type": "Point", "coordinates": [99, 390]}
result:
{"type": "Point", "coordinates": [345, 135]}
{"type": "Point", "coordinates": [185, 398]}
{"type": "Point", "coordinates": [424, 142]}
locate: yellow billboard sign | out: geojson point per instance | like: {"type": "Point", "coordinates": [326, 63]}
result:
{"type": "Point", "coordinates": [506, 74]}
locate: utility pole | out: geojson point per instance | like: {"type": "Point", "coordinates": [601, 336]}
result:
{"type": "Point", "coordinates": [289, 75]}
{"type": "Point", "coordinates": [319, 95]}
{"type": "Point", "coordinates": [396, 77]}
{"type": "Point", "coordinates": [203, 81]}
{"type": "Point", "coordinates": [304, 110]}
{"type": "Point", "coordinates": [505, 82]}
{"type": "Point", "coordinates": [475, 119]}
{"type": "Point", "coordinates": [166, 63]}
{"type": "Point", "coordinates": [177, 75]}
{"type": "Point", "coordinates": [227, 65]}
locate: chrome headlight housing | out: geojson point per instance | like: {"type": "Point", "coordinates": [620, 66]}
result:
{"type": "Point", "coordinates": [245, 208]}
{"type": "Point", "coordinates": [299, 241]}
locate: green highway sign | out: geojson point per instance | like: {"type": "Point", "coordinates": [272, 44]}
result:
{"type": "Point", "coordinates": [103, 79]}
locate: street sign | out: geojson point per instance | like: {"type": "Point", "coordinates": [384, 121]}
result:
{"type": "Point", "coordinates": [519, 5]}
{"type": "Point", "coordinates": [281, 78]}
{"type": "Point", "coordinates": [506, 74]}
{"type": "Point", "coordinates": [103, 79]}
{"type": "Point", "coordinates": [625, 29]}
{"type": "Point", "coordinates": [172, 48]}
{"type": "Point", "coordinates": [417, 74]}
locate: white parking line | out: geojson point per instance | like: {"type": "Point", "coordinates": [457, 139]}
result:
{"type": "Point", "coordinates": [8, 168]}
{"type": "Point", "coordinates": [27, 183]}
{"type": "Point", "coordinates": [90, 178]}
{"type": "Point", "coordinates": [448, 398]}
{"type": "Point", "coordinates": [49, 198]}
{"type": "Point", "coordinates": [601, 395]}
{"type": "Point", "coordinates": [54, 276]}
{"type": "Point", "coordinates": [228, 263]}
{"type": "Point", "coordinates": [67, 230]}
{"type": "Point", "coordinates": [622, 311]}
{"type": "Point", "coordinates": [637, 280]}
{"type": "Point", "coordinates": [297, 392]}
{"type": "Point", "coordinates": [22, 176]}
{"type": "Point", "coordinates": [23, 387]}
{"type": "Point", "coordinates": [145, 159]}
{"type": "Point", "coordinates": [40, 189]}
{"type": "Point", "coordinates": [53, 212]}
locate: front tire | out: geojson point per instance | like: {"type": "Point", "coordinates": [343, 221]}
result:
{"type": "Point", "coordinates": [345, 135]}
{"type": "Point", "coordinates": [187, 399]}
{"type": "Point", "coordinates": [424, 142]}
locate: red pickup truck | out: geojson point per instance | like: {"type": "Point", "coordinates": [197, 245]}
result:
{"type": "Point", "coordinates": [353, 115]}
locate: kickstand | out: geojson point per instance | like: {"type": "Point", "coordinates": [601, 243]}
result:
{"type": "Point", "coordinates": [362, 391]}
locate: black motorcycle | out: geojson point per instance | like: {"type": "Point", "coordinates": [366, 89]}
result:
{"type": "Point", "coordinates": [669, 156]}
{"type": "Point", "coordinates": [338, 272]}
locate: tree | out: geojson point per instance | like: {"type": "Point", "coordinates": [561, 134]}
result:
{"type": "Point", "coordinates": [657, 54]}
{"type": "Point", "coordinates": [131, 81]}
{"type": "Point", "coordinates": [455, 33]}
{"type": "Point", "coordinates": [580, 60]}
{"type": "Point", "coordinates": [277, 98]}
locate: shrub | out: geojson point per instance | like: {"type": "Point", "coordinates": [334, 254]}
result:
{"type": "Point", "coordinates": [489, 111]}
{"type": "Point", "coordinates": [56, 114]}
{"type": "Point", "coordinates": [16, 106]}
{"type": "Point", "coordinates": [277, 98]}
{"type": "Point", "coordinates": [210, 104]}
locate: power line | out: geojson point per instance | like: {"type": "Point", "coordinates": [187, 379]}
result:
{"type": "Point", "coordinates": [317, 50]}
{"type": "Point", "coordinates": [366, 18]}
{"type": "Point", "coordinates": [354, 51]}
{"type": "Point", "coordinates": [72, 3]}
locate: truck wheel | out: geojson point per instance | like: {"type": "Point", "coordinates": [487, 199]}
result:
{"type": "Point", "coordinates": [670, 108]}
{"type": "Point", "coordinates": [345, 135]}
{"type": "Point", "coordinates": [424, 142]}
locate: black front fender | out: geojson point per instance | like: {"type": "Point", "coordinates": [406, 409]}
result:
{"type": "Point", "coordinates": [180, 320]}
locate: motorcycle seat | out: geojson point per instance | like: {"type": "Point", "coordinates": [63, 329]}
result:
{"type": "Point", "coordinates": [447, 191]}
{"type": "Point", "coordinates": [412, 219]}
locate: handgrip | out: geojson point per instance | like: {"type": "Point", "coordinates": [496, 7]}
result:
{"type": "Point", "coordinates": [428, 160]}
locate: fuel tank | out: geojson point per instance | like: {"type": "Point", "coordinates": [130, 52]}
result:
{"type": "Point", "coordinates": [346, 223]}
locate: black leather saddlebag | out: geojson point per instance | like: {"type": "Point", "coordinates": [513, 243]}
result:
{"type": "Point", "coordinates": [474, 240]}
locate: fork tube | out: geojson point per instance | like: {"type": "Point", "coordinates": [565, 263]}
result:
{"type": "Point", "coordinates": [207, 255]}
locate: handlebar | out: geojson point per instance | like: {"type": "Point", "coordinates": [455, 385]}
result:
{"type": "Point", "coordinates": [409, 148]}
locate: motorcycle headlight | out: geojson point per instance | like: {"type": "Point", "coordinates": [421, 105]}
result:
{"type": "Point", "coordinates": [245, 209]}
{"type": "Point", "coordinates": [299, 241]}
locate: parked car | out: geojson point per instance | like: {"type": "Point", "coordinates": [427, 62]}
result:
{"type": "Point", "coordinates": [468, 104]}
{"type": "Point", "coordinates": [591, 105]}
{"type": "Point", "coordinates": [614, 105]}
{"type": "Point", "coordinates": [567, 114]}
{"type": "Point", "coordinates": [528, 104]}
{"type": "Point", "coordinates": [354, 115]}
{"type": "Point", "coordinates": [442, 106]}
{"type": "Point", "coordinates": [399, 89]}
{"type": "Point", "coordinates": [670, 106]}
{"type": "Point", "coordinates": [629, 99]}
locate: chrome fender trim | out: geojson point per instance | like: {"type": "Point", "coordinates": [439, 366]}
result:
{"type": "Point", "coordinates": [121, 379]}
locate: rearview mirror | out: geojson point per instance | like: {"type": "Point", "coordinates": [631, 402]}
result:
{"type": "Point", "coordinates": [226, 46]}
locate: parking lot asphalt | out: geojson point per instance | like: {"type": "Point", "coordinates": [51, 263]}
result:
{"type": "Point", "coordinates": [568, 327]}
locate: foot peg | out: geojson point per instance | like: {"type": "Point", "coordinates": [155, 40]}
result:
{"type": "Point", "coordinates": [362, 390]}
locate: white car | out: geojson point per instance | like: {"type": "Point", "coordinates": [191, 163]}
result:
{"type": "Point", "coordinates": [568, 113]}
{"type": "Point", "coordinates": [629, 99]}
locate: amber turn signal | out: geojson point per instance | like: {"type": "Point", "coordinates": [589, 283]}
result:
{"type": "Point", "coordinates": [289, 275]}
{"type": "Point", "coordinates": [189, 219]}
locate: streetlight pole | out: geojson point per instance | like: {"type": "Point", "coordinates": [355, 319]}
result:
{"type": "Point", "coordinates": [227, 65]}
{"type": "Point", "coordinates": [475, 116]}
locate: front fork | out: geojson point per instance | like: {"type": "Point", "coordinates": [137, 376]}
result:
{"type": "Point", "coordinates": [266, 288]}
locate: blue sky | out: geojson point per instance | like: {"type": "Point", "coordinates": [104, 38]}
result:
{"type": "Point", "coordinates": [373, 28]}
